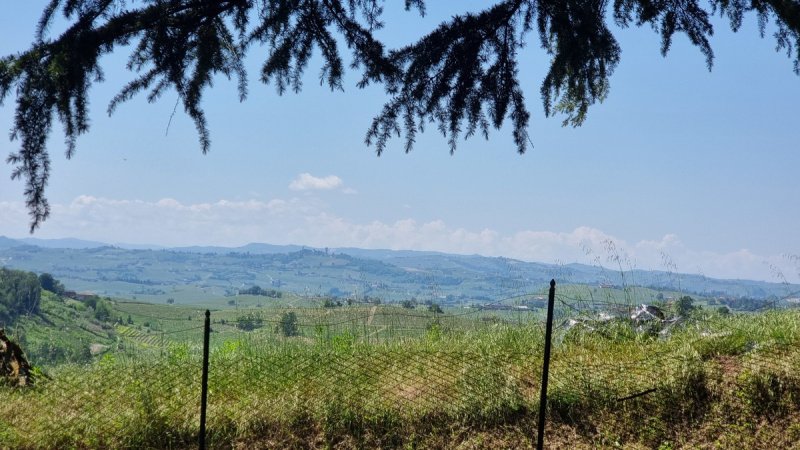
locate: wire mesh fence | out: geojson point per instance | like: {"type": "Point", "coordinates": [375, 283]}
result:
{"type": "Point", "coordinates": [144, 399]}
{"type": "Point", "coordinates": [368, 375]}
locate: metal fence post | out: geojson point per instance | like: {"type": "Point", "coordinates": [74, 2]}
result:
{"type": "Point", "coordinates": [204, 382]}
{"type": "Point", "coordinates": [548, 334]}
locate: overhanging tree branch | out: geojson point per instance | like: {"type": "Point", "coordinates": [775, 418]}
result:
{"type": "Point", "coordinates": [463, 76]}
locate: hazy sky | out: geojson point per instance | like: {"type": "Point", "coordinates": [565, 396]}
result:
{"type": "Point", "coordinates": [679, 164]}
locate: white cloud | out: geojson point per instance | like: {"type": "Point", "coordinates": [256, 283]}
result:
{"type": "Point", "coordinates": [306, 221]}
{"type": "Point", "coordinates": [308, 182]}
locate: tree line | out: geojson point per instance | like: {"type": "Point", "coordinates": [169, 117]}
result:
{"type": "Point", "coordinates": [20, 294]}
{"type": "Point", "coordinates": [258, 290]}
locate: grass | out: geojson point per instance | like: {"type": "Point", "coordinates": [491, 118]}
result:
{"type": "Point", "coordinates": [424, 382]}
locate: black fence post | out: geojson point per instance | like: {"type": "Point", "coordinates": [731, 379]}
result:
{"type": "Point", "coordinates": [548, 334]}
{"type": "Point", "coordinates": [204, 382]}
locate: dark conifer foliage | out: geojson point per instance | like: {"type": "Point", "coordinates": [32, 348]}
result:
{"type": "Point", "coordinates": [462, 77]}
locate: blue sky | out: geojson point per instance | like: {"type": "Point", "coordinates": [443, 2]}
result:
{"type": "Point", "coordinates": [679, 163]}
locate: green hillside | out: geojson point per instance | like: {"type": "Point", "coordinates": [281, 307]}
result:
{"type": "Point", "coordinates": [64, 330]}
{"type": "Point", "coordinates": [384, 377]}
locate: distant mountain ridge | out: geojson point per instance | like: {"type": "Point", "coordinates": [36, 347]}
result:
{"type": "Point", "coordinates": [71, 243]}
{"type": "Point", "coordinates": [255, 248]}
{"type": "Point", "coordinates": [157, 273]}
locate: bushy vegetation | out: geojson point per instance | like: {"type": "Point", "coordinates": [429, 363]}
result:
{"type": "Point", "coordinates": [52, 328]}
{"type": "Point", "coordinates": [20, 293]}
{"type": "Point", "coordinates": [66, 331]}
{"type": "Point", "coordinates": [49, 283]}
{"type": "Point", "coordinates": [288, 325]}
{"type": "Point", "coordinates": [258, 290]}
{"type": "Point", "coordinates": [249, 321]}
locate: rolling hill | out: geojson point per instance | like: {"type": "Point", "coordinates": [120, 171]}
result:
{"type": "Point", "coordinates": [192, 274]}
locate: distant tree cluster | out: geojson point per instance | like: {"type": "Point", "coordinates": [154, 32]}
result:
{"type": "Point", "coordinates": [435, 308]}
{"type": "Point", "coordinates": [249, 322]}
{"type": "Point", "coordinates": [684, 306]}
{"type": "Point", "coordinates": [258, 290]}
{"type": "Point", "coordinates": [20, 293]}
{"type": "Point", "coordinates": [374, 300]}
{"type": "Point", "coordinates": [49, 283]}
{"type": "Point", "coordinates": [409, 304]}
{"type": "Point", "coordinates": [288, 325]}
{"type": "Point", "coordinates": [747, 304]}
{"type": "Point", "coordinates": [331, 303]}
{"type": "Point", "coordinates": [102, 310]}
